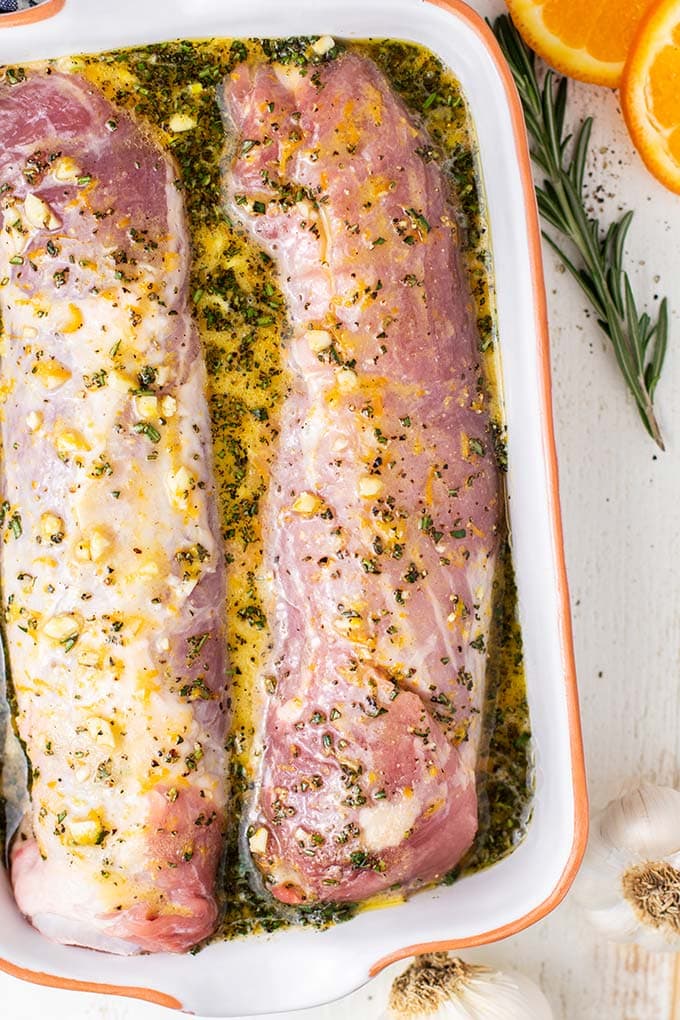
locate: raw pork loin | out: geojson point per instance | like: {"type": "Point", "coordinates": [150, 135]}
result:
{"type": "Point", "coordinates": [381, 523]}
{"type": "Point", "coordinates": [112, 571]}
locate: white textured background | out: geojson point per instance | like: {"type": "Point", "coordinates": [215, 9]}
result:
{"type": "Point", "coordinates": [621, 507]}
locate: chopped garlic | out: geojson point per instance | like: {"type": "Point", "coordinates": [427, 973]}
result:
{"type": "Point", "coordinates": [318, 340]}
{"type": "Point", "coordinates": [39, 214]}
{"type": "Point", "coordinates": [62, 626]}
{"type": "Point", "coordinates": [29, 333]}
{"type": "Point", "coordinates": [258, 841]}
{"type": "Point", "coordinates": [65, 169]}
{"type": "Point", "coordinates": [147, 406]}
{"type": "Point", "coordinates": [69, 319]}
{"type": "Point", "coordinates": [101, 731]}
{"type": "Point", "coordinates": [168, 406]}
{"type": "Point", "coordinates": [323, 45]}
{"type": "Point", "coordinates": [100, 544]}
{"type": "Point", "coordinates": [34, 420]}
{"type": "Point", "coordinates": [51, 525]}
{"type": "Point", "coordinates": [347, 380]}
{"type": "Point", "coordinates": [305, 209]}
{"type": "Point", "coordinates": [70, 441]}
{"type": "Point", "coordinates": [307, 503]}
{"type": "Point", "coordinates": [180, 484]}
{"type": "Point", "coordinates": [120, 381]}
{"type": "Point", "coordinates": [82, 773]}
{"type": "Point", "coordinates": [181, 122]}
{"type": "Point", "coordinates": [51, 373]}
{"type": "Point", "coordinates": [369, 486]}
{"type": "Point", "coordinates": [85, 832]}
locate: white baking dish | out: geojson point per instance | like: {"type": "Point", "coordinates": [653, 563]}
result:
{"type": "Point", "coordinates": [303, 967]}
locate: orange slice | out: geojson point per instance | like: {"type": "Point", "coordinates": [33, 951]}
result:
{"type": "Point", "coordinates": [650, 92]}
{"type": "Point", "coordinates": [584, 39]}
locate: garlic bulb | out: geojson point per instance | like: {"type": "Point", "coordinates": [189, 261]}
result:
{"type": "Point", "coordinates": [440, 986]}
{"type": "Point", "coordinates": [629, 884]}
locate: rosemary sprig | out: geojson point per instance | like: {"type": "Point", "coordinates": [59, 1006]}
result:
{"type": "Point", "coordinates": [596, 262]}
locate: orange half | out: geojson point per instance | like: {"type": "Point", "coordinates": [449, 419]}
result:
{"type": "Point", "coordinates": [584, 39]}
{"type": "Point", "coordinates": [650, 92]}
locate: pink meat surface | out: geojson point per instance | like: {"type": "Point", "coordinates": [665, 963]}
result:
{"type": "Point", "coordinates": [381, 523]}
{"type": "Point", "coordinates": [112, 568]}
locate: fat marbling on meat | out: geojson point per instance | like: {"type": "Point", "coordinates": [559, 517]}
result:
{"type": "Point", "coordinates": [381, 525]}
{"type": "Point", "coordinates": [112, 570]}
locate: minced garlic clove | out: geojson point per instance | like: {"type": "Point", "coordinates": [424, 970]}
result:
{"type": "Point", "coordinates": [51, 373]}
{"type": "Point", "coordinates": [168, 406]}
{"type": "Point", "coordinates": [318, 340]}
{"type": "Point", "coordinates": [39, 214]}
{"type": "Point", "coordinates": [100, 731]}
{"type": "Point", "coordinates": [68, 318]}
{"type": "Point", "coordinates": [100, 544]}
{"type": "Point", "coordinates": [147, 406]}
{"type": "Point", "coordinates": [84, 832]}
{"type": "Point", "coordinates": [323, 45]}
{"type": "Point", "coordinates": [66, 169]}
{"type": "Point", "coordinates": [180, 484]}
{"type": "Point", "coordinates": [62, 626]}
{"type": "Point", "coordinates": [180, 122]}
{"type": "Point", "coordinates": [369, 486]}
{"type": "Point", "coordinates": [307, 503]}
{"type": "Point", "coordinates": [51, 527]}
{"type": "Point", "coordinates": [347, 380]}
{"type": "Point", "coordinates": [70, 441]}
{"type": "Point", "coordinates": [258, 841]}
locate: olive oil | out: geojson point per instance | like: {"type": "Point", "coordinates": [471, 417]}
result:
{"type": "Point", "coordinates": [174, 89]}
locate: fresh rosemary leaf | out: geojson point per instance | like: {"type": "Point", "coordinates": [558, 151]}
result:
{"type": "Point", "coordinates": [594, 256]}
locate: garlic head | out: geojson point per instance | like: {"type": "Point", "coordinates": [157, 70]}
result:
{"type": "Point", "coordinates": [437, 986]}
{"type": "Point", "coordinates": [629, 884]}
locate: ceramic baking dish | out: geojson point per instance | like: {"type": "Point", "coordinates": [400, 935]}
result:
{"type": "Point", "coordinates": [303, 967]}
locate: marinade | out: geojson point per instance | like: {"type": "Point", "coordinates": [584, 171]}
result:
{"type": "Point", "coordinates": [237, 305]}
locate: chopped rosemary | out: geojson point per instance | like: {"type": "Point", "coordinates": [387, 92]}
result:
{"type": "Point", "coordinates": [639, 343]}
{"type": "Point", "coordinates": [69, 642]}
{"type": "Point", "coordinates": [147, 429]}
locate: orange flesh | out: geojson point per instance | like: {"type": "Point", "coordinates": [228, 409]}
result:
{"type": "Point", "coordinates": [663, 87]}
{"type": "Point", "coordinates": [650, 92]}
{"type": "Point", "coordinates": [604, 29]}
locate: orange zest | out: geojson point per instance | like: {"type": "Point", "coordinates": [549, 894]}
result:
{"type": "Point", "coordinates": [650, 92]}
{"type": "Point", "coordinates": [584, 39]}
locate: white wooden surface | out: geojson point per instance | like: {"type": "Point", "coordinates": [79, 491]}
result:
{"type": "Point", "coordinates": [621, 506]}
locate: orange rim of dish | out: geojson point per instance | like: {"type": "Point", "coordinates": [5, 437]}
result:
{"type": "Point", "coordinates": [479, 27]}
{"type": "Point", "coordinates": [32, 14]}
{"type": "Point", "coordinates": [633, 94]}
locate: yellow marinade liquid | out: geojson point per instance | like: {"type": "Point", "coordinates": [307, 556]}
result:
{"type": "Point", "coordinates": [172, 89]}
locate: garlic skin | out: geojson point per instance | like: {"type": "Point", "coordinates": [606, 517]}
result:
{"type": "Point", "coordinates": [437, 986]}
{"type": "Point", "coordinates": [629, 883]}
